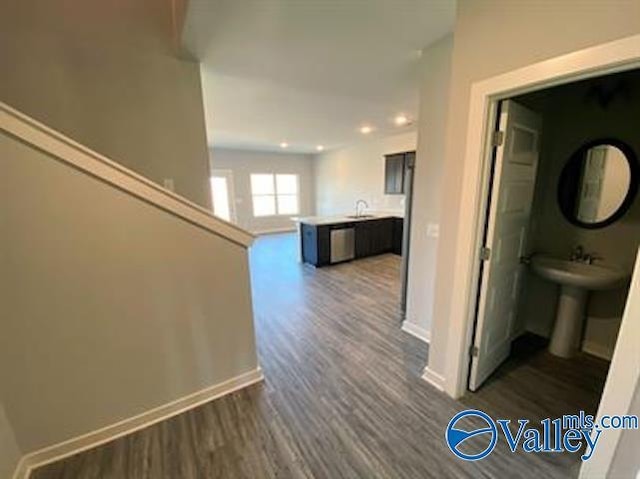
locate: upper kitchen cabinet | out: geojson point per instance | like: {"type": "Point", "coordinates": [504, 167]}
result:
{"type": "Point", "coordinates": [394, 172]}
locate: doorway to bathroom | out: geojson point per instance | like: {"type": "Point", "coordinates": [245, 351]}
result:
{"type": "Point", "coordinates": [561, 234]}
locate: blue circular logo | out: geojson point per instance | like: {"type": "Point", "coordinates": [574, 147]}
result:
{"type": "Point", "coordinates": [456, 436]}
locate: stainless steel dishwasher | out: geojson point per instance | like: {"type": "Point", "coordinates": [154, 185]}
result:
{"type": "Point", "coordinates": [343, 239]}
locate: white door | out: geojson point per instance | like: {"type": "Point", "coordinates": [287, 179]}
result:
{"type": "Point", "coordinates": [516, 161]}
{"type": "Point", "coordinates": [222, 195]}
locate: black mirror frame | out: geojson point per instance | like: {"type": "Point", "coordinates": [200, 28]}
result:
{"type": "Point", "coordinates": [574, 162]}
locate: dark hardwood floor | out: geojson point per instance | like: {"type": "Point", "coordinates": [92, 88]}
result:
{"type": "Point", "coordinates": [343, 397]}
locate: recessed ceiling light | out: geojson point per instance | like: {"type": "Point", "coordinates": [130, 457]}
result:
{"type": "Point", "coordinates": [401, 120]}
{"type": "Point", "coordinates": [320, 148]}
{"type": "Point", "coordinates": [366, 129]}
{"type": "Point", "coordinates": [284, 144]}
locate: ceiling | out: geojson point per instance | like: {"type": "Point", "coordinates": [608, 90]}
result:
{"type": "Point", "coordinates": [310, 72]}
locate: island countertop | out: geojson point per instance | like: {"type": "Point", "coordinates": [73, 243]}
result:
{"type": "Point", "coordinates": [337, 219]}
{"type": "Point", "coordinates": [326, 240]}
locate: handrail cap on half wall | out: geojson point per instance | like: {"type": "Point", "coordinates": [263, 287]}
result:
{"type": "Point", "coordinates": [68, 151]}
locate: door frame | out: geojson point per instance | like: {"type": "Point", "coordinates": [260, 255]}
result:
{"type": "Point", "coordinates": [504, 116]}
{"type": "Point", "coordinates": [613, 57]}
{"type": "Point", "coordinates": [228, 174]}
{"type": "Point", "coordinates": [603, 59]}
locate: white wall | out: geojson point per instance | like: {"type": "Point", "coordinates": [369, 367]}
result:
{"type": "Point", "coordinates": [436, 65]}
{"type": "Point", "coordinates": [492, 37]}
{"type": "Point", "coordinates": [355, 172]}
{"type": "Point", "coordinates": [110, 306]}
{"type": "Point", "coordinates": [9, 451]}
{"type": "Point", "coordinates": [243, 162]}
{"type": "Point", "coordinates": [568, 122]}
{"type": "Point", "coordinates": [617, 453]}
{"type": "Point", "coordinates": [106, 75]}
{"type": "Point", "coordinates": [626, 461]}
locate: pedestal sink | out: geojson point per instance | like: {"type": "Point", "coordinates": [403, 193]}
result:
{"type": "Point", "coordinates": [576, 279]}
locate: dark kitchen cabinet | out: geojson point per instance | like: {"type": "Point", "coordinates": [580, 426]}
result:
{"type": "Point", "coordinates": [371, 237]}
{"type": "Point", "coordinates": [383, 235]}
{"type": "Point", "coordinates": [394, 166]}
{"type": "Point", "coordinates": [398, 227]}
{"type": "Point", "coordinates": [374, 237]}
{"type": "Point", "coordinates": [363, 239]}
{"type": "Point", "coordinates": [316, 244]}
{"type": "Point", "coordinates": [395, 172]}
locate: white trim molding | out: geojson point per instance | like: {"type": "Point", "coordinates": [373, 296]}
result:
{"type": "Point", "coordinates": [22, 470]}
{"type": "Point", "coordinates": [106, 434]}
{"type": "Point", "coordinates": [597, 350]}
{"type": "Point", "coordinates": [433, 378]}
{"type": "Point", "coordinates": [417, 331]}
{"type": "Point", "coordinates": [274, 231]}
{"type": "Point", "coordinates": [102, 168]}
{"type": "Point", "coordinates": [607, 58]}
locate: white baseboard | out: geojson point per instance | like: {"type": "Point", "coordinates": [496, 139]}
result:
{"type": "Point", "coordinates": [597, 350]}
{"type": "Point", "coordinates": [415, 330]}
{"type": "Point", "coordinates": [433, 378]}
{"type": "Point", "coordinates": [50, 454]}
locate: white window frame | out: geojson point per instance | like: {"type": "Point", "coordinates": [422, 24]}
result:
{"type": "Point", "coordinates": [276, 194]}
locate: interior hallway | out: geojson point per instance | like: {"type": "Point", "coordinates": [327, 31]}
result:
{"type": "Point", "coordinates": [343, 397]}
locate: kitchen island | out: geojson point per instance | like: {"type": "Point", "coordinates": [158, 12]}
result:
{"type": "Point", "coordinates": [328, 240]}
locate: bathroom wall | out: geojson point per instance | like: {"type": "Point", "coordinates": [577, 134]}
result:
{"type": "Point", "coordinates": [573, 115]}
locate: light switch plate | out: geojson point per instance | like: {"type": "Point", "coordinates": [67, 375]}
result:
{"type": "Point", "coordinates": [169, 184]}
{"type": "Point", "coordinates": [433, 230]}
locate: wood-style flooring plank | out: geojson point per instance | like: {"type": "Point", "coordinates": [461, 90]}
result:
{"type": "Point", "coordinates": [343, 397]}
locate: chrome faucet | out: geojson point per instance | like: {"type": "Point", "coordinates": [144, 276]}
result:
{"type": "Point", "coordinates": [589, 258]}
{"type": "Point", "coordinates": [579, 255]}
{"type": "Point", "coordinates": [358, 203]}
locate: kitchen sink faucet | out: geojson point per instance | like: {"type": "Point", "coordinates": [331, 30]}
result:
{"type": "Point", "coordinates": [358, 203]}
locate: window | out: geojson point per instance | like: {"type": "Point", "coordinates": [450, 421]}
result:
{"type": "Point", "coordinates": [287, 192]}
{"type": "Point", "coordinates": [274, 194]}
{"type": "Point", "coordinates": [264, 195]}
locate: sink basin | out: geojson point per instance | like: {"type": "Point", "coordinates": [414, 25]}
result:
{"type": "Point", "coordinates": [359, 217]}
{"type": "Point", "coordinates": [576, 280]}
{"type": "Point", "coordinates": [573, 273]}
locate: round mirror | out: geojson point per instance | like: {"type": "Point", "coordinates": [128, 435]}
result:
{"type": "Point", "coordinates": [598, 183]}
